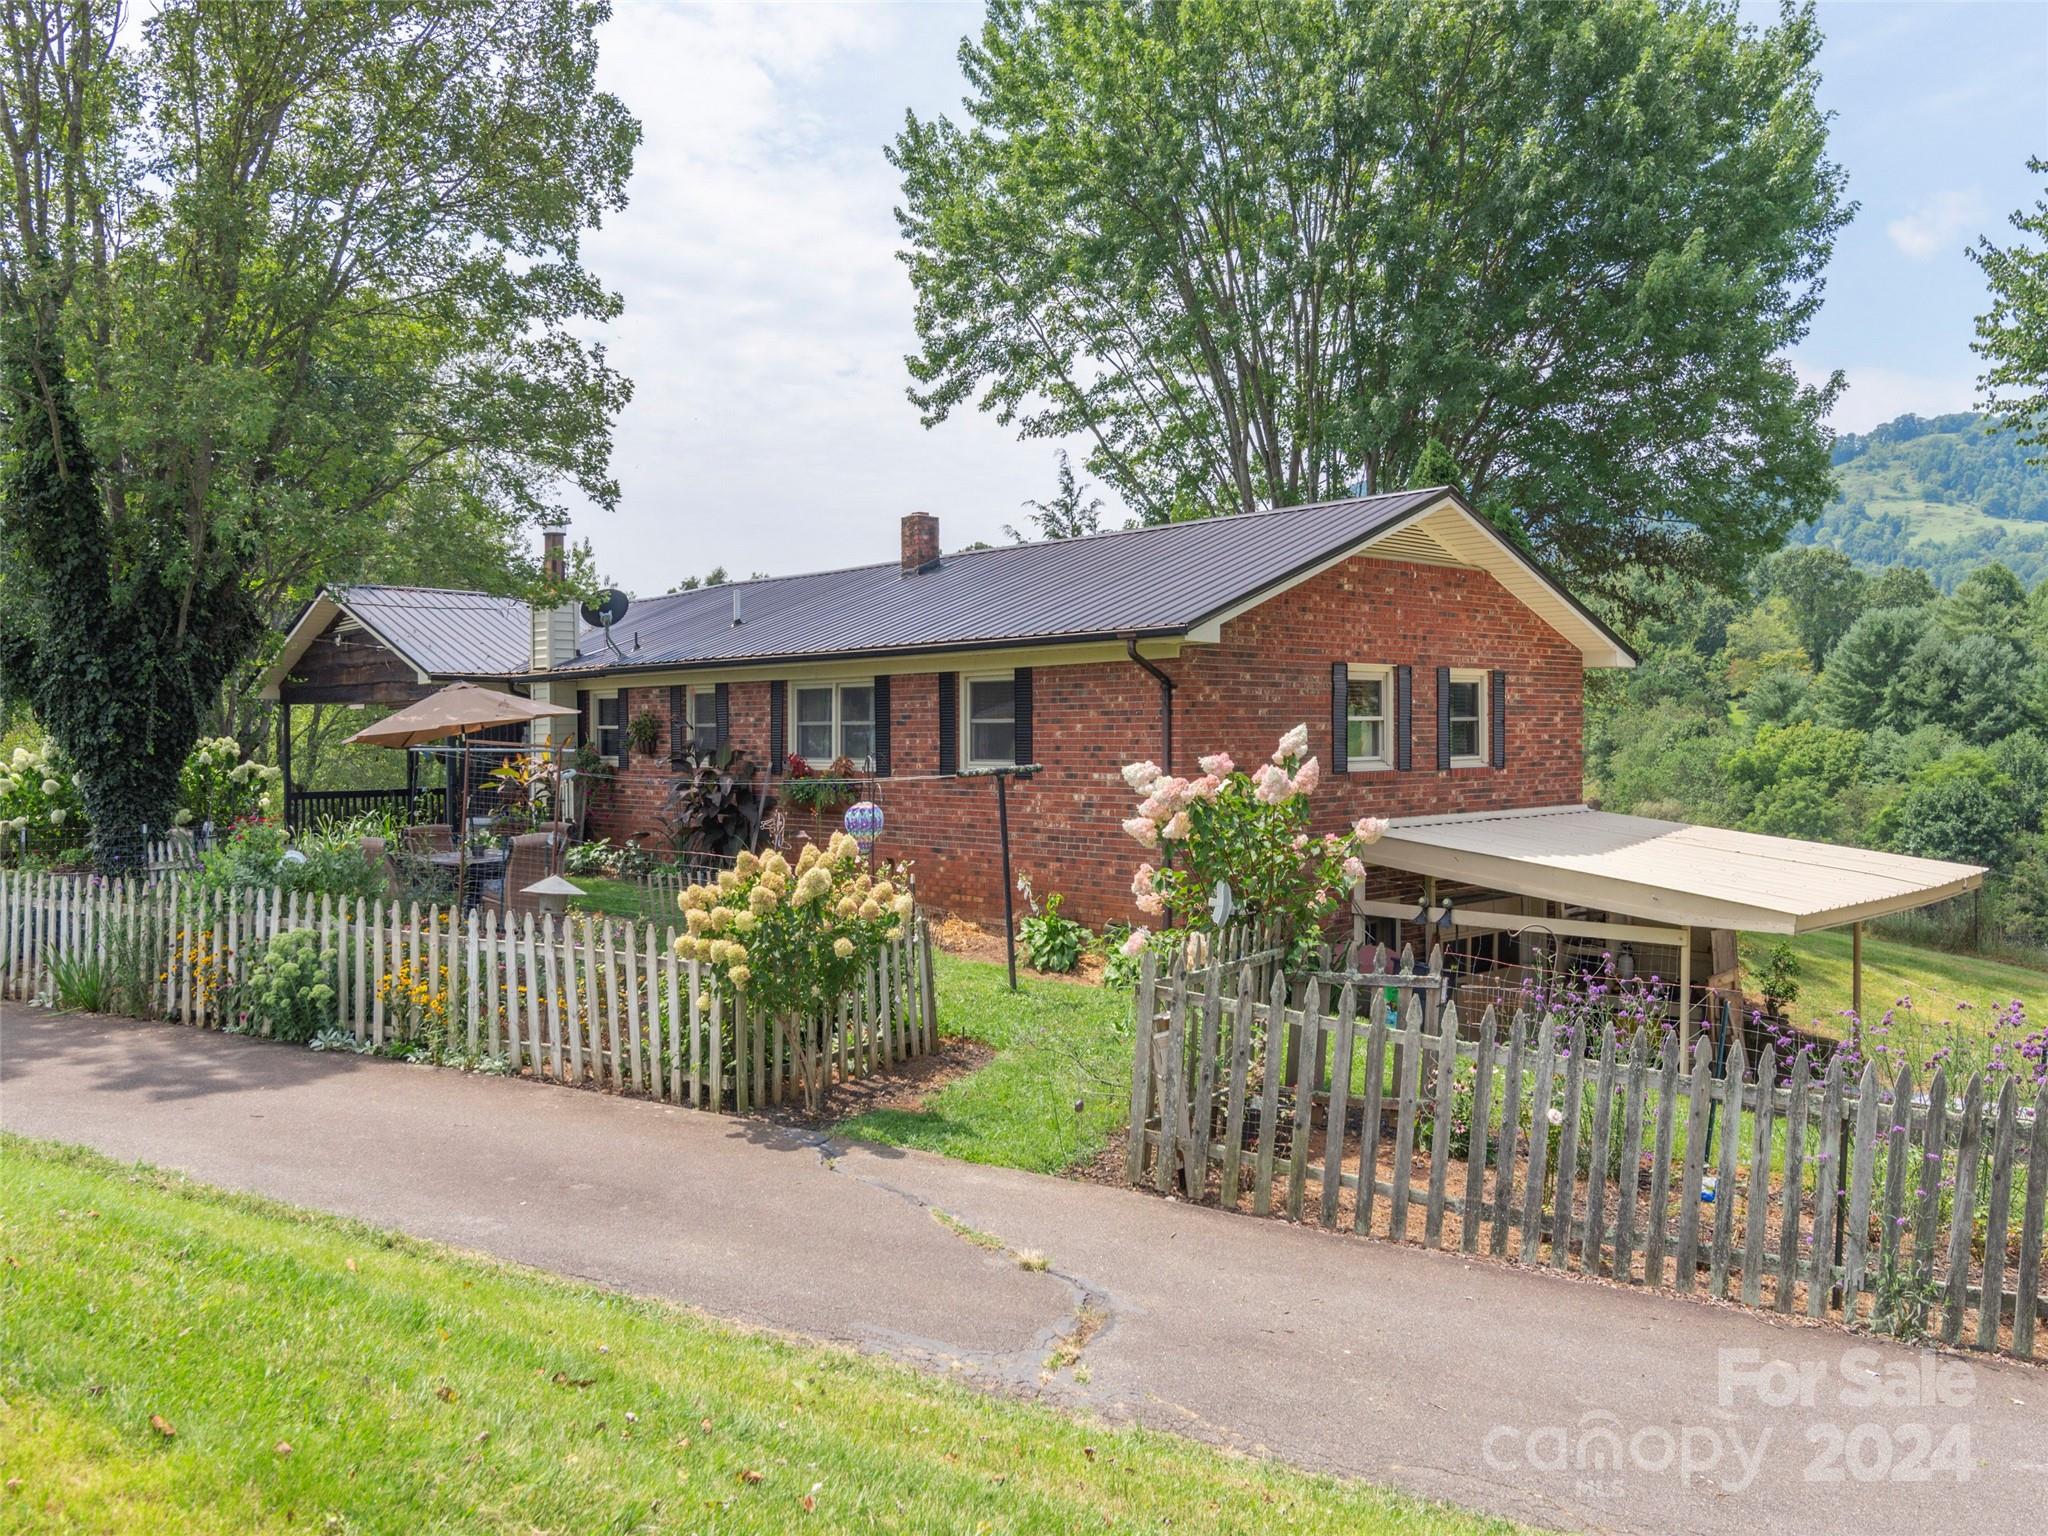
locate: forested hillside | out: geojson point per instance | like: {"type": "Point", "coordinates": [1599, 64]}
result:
{"type": "Point", "coordinates": [1940, 493]}
{"type": "Point", "coordinates": [1844, 705]}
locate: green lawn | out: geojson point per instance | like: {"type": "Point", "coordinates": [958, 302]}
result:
{"type": "Point", "coordinates": [1057, 1043]}
{"type": "Point", "coordinates": [1953, 997]}
{"type": "Point", "coordinates": [173, 1358]}
{"type": "Point", "coordinates": [604, 893]}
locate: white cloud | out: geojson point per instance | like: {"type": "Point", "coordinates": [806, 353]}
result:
{"type": "Point", "coordinates": [767, 316]}
{"type": "Point", "coordinates": [1943, 223]}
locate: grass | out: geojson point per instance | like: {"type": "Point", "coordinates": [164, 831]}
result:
{"type": "Point", "coordinates": [606, 894]}
{"type": "Point", "coordinates": [1058, 1044]}
{"type": "Point", "coordinates": [1954, 997]}
{"type": "Point", "coordinates": [173, 1358]}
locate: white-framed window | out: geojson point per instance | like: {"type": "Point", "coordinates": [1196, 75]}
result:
{"type": "Point", "coordinates": [607, 720]}
{"type": "Point", "coordinates": [988, 720]}
{"type": "Point", "coordinates": [1368, 717]}
{"type": "Point", "coordinates": [1468, 719]}
{"type": "Point", "coordinates": [828, 721]}
{"type": "Point", "coordinates": [703, 720]}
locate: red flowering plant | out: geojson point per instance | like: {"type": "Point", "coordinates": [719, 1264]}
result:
{"type": "Point", "coordinates": [1247, 830]}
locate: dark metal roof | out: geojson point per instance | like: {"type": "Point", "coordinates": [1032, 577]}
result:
{"type": "Point", "coordinates": [1144, 581]}
{"type": "Point", "coordinates": [445, 633]}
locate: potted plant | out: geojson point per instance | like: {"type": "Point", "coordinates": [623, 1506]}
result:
{"type": "Point", "coordinates": [644, 732]}
{"type": "Point", "coordinates": [838, 785]}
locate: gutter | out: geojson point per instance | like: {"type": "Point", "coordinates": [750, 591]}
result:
{"type": "Point", "coordinates": [1165, 701]}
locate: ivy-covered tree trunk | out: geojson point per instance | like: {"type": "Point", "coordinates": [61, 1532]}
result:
{"type": "Point", "coordinates": [118, 657]}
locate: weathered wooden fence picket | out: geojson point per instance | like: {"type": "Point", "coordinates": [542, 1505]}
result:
{"type": "Point", "coordinates": [583, 999]}
{"type": "Point", "coordinates": [1365, 1102]}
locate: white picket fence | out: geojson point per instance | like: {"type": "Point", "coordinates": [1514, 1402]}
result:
{"type": "Point", "coordinates": [581, 1000]}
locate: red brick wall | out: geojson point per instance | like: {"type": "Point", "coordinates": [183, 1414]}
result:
{"type": "Point", "coordinates": [1271, 671]}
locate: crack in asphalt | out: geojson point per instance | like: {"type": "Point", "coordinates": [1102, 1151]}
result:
{"type": "Point", "coordinates": [1092, 1315]}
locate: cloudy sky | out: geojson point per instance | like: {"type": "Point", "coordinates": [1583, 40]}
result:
{"type": "Point", "coordinates": [767, 318]}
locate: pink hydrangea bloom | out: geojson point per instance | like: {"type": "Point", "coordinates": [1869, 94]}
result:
{"type": "Point", "coordinates": [1204, 788]}
{"type": "Point", "coordinates": [1177, 828]}
{"type": "Point", "coordinates": [1273, 785]}
{"type": "Point", "coordinates": [1152, 904]}
{"type": "Point", "coordinates": [1308, 777]}
{"type": "Point", "coordinates": [1141, 882]}
{"type": "Point", "coordinates": [1218, 765]}
{"type": "Point", "coordinates": [1293, 744]}
{"type": "Point", "coordinates": [1144, 831]}
{"type": "Point", "coordinates": [1370, 829]}
{"type": "Point", "coordinates": [1354, 869]}
{"type": "Point", "coordinates": [1134, 946]}
{"type": "Point", "coordinates": [1141, 776]}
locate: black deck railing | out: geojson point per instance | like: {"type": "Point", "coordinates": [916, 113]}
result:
{"type": "Point", "coordinates": [311, 808]}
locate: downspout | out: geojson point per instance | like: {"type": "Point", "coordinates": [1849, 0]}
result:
{"type": "Point", "coordinates": [1165, 701]}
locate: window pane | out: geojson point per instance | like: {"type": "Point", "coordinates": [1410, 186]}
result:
{"type": "Point", "coordinates": [992, 699]}
{"type": "Point", "coordinates": [1464, 738]}
{"type": "Point", "coordinates": [704, 707]}
{"type": "Point", "coordinates": [608, 710]}
{"type": "Point", "coordinates": [857, 740]}
{"type": "Point", "coordinates": [1365, 698]}
{"type": "Point", "coordinates": [1367, 740]}
{"type": "Point", "coordinates": [814, 704]}
{"type": "Point", "coordinates": [857, 704]}
{"type": "Point", "coordinates": [1465, 701]}
{"type": "Point", "coordinates": [993, 741]}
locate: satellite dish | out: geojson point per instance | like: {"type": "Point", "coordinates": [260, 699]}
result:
{"type": "Point", "coordinates": [609, 608]}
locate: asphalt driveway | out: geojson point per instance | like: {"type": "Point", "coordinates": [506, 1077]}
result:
{"type": "Point", "coordinates": [1561, 1402]}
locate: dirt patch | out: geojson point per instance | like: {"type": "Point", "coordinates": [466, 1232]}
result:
{"type": "Point", "coordinates": [904, 1086]}
{"type": "Point", "coordinates": [971, 941]}
{"type": "Point", "coordinates": [1105, 1167]}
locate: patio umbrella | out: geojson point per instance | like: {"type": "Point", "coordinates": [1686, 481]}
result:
{"type": "Point", "coordinates": [457, 710]}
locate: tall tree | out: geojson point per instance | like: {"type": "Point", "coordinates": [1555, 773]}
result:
{"type": "Point", "coordinates": [1069, 514]}
{"type": "Point", "coordinates": [1824, 592]}
{"type": "Point", "coordinates": [279, 278]}
{"type": "Point", "coordinates": [2012, 335]}
{"type": "Point", "coordinates": [1258, 253]}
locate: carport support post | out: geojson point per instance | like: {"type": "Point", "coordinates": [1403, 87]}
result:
{"type": "Point", "coordinates": [1856, 971]}
{"type": "Point", "coordinates": [1685, 997]}
{"type": "Point", "coordinates": [1009, 891]}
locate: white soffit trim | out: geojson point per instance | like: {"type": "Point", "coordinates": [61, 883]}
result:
{"type": "Point", "coordinates": [1446, 534]}
{"type": "Point", "coordinates": [1705, 877]}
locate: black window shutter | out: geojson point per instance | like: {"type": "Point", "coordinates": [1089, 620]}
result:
{"type": "Point", "coordinates": [778, 723]}
{"type": "Point", "coordinates": [1404, 718]}
{"type": "Point", "coordinates": [1020, 692]}
{"type": "Point", "coordinates": [1340, 724]}
{"type": "Point", "coordinates": [1497, 700]}
{"type": "Point", "coordinates": [949, 722]}
{"type": "Point", "coordinates": [1443, 717]}
{"type": "Point", "coordinates": [625, 736]}
{"type": "Point", "coordinates": [583, 736]}
{"type": "Point", "coordinates": [882, 727]}
{"type": "Point", "coordinates": [721, 712]}
{"type": "Point", "coordinates": [678, 720]}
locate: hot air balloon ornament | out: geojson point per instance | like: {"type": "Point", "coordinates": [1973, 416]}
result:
{"type": "Point", "coordinates": [864, 825]}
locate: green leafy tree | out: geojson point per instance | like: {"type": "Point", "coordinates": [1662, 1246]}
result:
{"type": "Point", "coordinates": [1435, 467]}
{"type": "Point", "coordinates": [1257, 254]}
{"type": "Point", "coordinates": [278, 279]}
{"type": "Point", "coordinates": [2012, 336]}
{"type": "Point", "coordinates": [1823, 592]}
{"type": "Point", "coordinates": [1779, 697]}
{"type": "Point", "coordinates": [1070, 514]}
{"type": "Point", "coordinates": [1786, 771]}
{"type": "Point", "coordinates": [1988, 601]}
{"type": "Point", "coordinates": [1900, 586]}
{"type": "Point", "coordinates": [1864, 684]}
{"type": "Point", "coordinates": [1982, 687]}
{"type": "Point", "coordinates": [1960, 808]}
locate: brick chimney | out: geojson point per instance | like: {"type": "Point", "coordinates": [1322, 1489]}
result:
{"type": "Point", "coordinates": [920, 542]}
{"type": "Point", "coordinates": [554, 561]}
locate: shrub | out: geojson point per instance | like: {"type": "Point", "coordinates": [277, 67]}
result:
{"type": "Point", "coordinates": [218, 785]}
{"type": "Point", "coordinates": [598, 857]}
{"type": "Point", "coordinates": [793, 940]}
{"type": "Point", "coordinates": [257, 855]}
{"type": "Point", "coordinates": [1052, 942]}
{"type": "Point", "coordinates": [1778, 980]}
{"type": "Point", "coordinates": [716, 806]}
{"type": "Point", "coordinates": [1247, 831]}
{"type": "Point", "coordinates": [41, 809]}
{"type": "Point", "coordinates": [289, 992]}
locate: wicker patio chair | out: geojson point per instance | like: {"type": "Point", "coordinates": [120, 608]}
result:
{"type": "Point", "coordinates": [531, 859]}
{"type": "Point", "coordinates": [427, 837]}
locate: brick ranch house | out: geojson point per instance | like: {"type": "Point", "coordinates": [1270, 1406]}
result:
{"type": "Point", "coordinates": [1439, 670]}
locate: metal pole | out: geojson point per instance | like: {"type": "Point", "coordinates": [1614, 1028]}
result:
{"type": "Point", "coordinates": [1009, 893]}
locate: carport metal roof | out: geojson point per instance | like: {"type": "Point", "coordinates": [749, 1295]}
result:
{"type": "Point", "coordinates": [1703, 877]}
